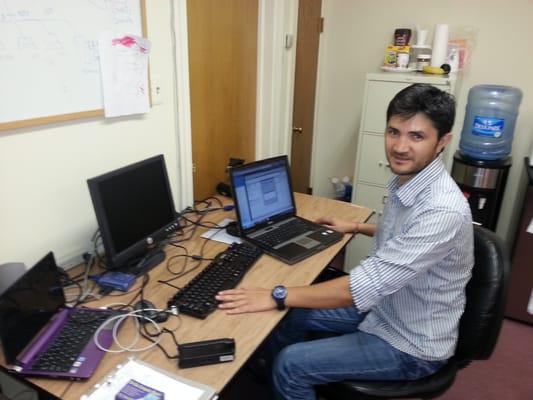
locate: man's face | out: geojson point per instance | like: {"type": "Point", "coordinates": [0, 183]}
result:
{"type": "Point", "coordinates": [412, 144]}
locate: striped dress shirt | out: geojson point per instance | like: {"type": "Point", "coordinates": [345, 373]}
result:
{"type": "Point", "coordinates": [413, 282]}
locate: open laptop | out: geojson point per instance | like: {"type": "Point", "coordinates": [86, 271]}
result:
{"type": "Point", "coordinates": [266, 212]}
{"type": "Point", "coordinates": [32, 315]}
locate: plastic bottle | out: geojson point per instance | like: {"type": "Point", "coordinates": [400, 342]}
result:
{"type": "Point", "coordinates": [338, 187]}
{"type": "Point", "coordinates": [348, 187]}
{"type": "Point", "coordinates": [490, 121]}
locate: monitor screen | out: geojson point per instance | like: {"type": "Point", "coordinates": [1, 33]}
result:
{"type": "Point", "coordinates": [262, 191]}
{"type": "Point", "coordinates": [134, 209]}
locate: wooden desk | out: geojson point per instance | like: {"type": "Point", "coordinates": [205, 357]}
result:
{"type": "Point", "coordinates": [248, 330]}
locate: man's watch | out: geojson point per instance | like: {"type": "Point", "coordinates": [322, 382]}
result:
{"type": "Point", "coordinates": [279, 294]}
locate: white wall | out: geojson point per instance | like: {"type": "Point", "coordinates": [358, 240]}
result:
{"type": "Point", "coordinates": [353, 42]}
{"type": "Point", "coordinates": [44, 200]}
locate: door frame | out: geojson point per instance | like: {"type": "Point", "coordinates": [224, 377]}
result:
{"type": "Point", "coordinates": [276, 60]}
{"type": "Point", "coordinates": [278, 20]}
{"type": "Point", "coordinates": [183, 104]}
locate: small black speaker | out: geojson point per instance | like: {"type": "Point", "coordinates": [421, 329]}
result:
{"type": "Point", "coordinates": [224, 189]}
{"type": "Point", "coordinates": [233, 229]}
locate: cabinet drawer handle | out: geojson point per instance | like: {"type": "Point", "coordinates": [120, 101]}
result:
{"type": "Point", "coordinates": [381, 164]}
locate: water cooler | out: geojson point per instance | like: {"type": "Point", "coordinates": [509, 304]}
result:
{"type": "Point", "coordinates": [483, 184]}
{"type": "Point", "coordinates": [481, 165]}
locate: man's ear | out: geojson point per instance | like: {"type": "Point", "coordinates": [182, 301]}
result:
{"type": "Point", "coordinates": [443, 142]}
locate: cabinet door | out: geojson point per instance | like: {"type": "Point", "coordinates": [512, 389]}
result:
{"type": "Point", "coordinates": [373, 165]}
{"type": "Point", "coordinates": [357, 249]}
{"type": "Point", "coordinates": [379, 94]}
{"type": "Point", "coordinates": [373, 197]}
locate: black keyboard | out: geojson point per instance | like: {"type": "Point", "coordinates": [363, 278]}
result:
{"type": "Point", "coordinates": [284, 232]}
{"type": "Point", "coordinates": [71, 340]}
{"type": "Point", "coordinates": [197, 298]}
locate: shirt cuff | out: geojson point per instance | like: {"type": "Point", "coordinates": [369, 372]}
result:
{"type": "Point", "coordinates": [362, 288]}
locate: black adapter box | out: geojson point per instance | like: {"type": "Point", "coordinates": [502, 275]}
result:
{"type": "Point", "coordinates": [206, 352]}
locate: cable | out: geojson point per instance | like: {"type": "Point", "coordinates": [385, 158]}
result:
{"type": "Point", "coordinates": [185, 257]}
{"type": "Point", "coordinates": [209, 198]}
{"type": "Point", "coordinates": [138, 315]}
{"type": "Point", "coordinates": [194, 225]}
{"type": "Point", "coordinates": [100, 259]}
{"type": "Point", "coordinates": [144, 283]}
{"type": "Point", "coordinates": [199, 258]}
{"type": "Point", "coordinates": [161, 347]}
{"type": "Point", "coordinates": [120, 318]}
{"type": "Point", "coordinates": [203, 225]}
{"type": "Point", "coordinates": [67, 283]}
{"type": "Point", "coordinates": [180, 275]}
{"type": "Point", "coordinates": [88, 266]}
{"type": "Point", "coordinates": [146, 279]}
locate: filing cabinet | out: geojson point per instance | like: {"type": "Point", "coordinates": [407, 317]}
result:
{"type": "Point", "coordinates": [372, 171]}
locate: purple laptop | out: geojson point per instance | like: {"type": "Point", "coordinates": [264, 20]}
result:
{"type": "Point", "coordinates": [39, 335]}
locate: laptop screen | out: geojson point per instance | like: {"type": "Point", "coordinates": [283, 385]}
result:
{"type": "Point", "coordinates": [28, 305]}
{"type": "Point", "coordinates": [262, 191]}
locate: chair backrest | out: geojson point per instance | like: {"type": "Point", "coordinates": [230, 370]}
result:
{"type": "Point", "coordinates": [486, 293]}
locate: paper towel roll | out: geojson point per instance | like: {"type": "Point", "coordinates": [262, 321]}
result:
{"type": "Point", "coordinates": [440, 45]}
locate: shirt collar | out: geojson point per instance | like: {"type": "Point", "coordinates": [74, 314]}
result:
{"type": "Point", "coordinates": [408, 192]}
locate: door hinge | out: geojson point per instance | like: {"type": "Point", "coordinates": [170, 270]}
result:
{"type": "Point", "coordinates": [321, 25]}
{"type": "Point", "coordinates": [193, 168]}
{"type": "Point", "coordinates": [288, 41]}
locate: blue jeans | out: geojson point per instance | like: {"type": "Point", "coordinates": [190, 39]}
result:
{"type": "Point", "coordinates": [299, 364]}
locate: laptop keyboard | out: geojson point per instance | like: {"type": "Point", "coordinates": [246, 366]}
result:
{"type": "Point", "coordinates": [197, 298]}
{"type": "Point", "coordinates": [72, 339]}
{"type": "Point", "coordinates": [284, 232]}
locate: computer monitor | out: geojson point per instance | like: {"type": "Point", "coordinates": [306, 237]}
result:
{"type": "Point", "coordinates": [135, 212]}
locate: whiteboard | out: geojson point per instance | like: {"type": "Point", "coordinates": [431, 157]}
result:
{"type": "Point", "coordinates": [49, 62]}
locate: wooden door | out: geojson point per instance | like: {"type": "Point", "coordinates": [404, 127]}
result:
{"type": "Point", "coordinates": [222, 68]}
{"type": "Point", "coordinates": [309, 29]}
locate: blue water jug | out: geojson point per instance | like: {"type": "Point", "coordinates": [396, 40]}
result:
{"type": "Point", "coordinates": [489, 122]}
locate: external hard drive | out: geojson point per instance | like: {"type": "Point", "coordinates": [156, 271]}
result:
{"type": "Point", "coordinates": [206, 352]}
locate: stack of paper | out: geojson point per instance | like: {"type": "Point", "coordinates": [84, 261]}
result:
{"type": "Point", "coordinates": [147, 376]}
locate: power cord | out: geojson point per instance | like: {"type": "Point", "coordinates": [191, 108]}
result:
{"type": "Point", "coordinates": [139, 316]}
{"type": "Point", "coordinates": [198, 258]}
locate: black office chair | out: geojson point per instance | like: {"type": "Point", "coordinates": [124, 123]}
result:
{"type": "Point", "coordinates": [479, 328]}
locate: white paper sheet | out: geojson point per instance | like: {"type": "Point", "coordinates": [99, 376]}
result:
{"type": "Point", "coordinates": [172, 386]}
{"type": "Point", "coordinates": [220, 235]}
{"type": "Point", "coordinates": [530, 226]}
{"type": "Point", "coordinates": [530, 303]}
{"type": "Point", "coordinates": [124, 71]}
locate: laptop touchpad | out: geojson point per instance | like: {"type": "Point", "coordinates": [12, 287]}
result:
{"type": "Point", "coordinates": [307, 242]}
{"type": "Point", "coordinates": [291, 250]}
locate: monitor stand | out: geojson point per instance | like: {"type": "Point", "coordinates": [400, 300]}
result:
{"type": "Point", "coordinates": [145, 264]}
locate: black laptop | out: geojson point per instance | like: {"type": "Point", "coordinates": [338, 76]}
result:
{"type": "Point", "coordinates": [266, 212]}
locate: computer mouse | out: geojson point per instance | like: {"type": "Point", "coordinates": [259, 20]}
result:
{"type": "Point", "coordinates": [233, 229]}
{"type": "Point", "coordinates": [157, 316]}
{"type": "Point", "coordinates": [143, 304]}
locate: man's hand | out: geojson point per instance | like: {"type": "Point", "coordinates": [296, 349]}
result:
{"type": "Point", "coordinates": [338, 224]}
{"type": "Point", "coordinates": [242, 300]}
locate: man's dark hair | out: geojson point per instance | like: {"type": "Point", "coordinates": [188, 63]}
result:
{"type": "Point", "coordinates": [434, 103]}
